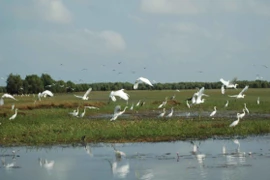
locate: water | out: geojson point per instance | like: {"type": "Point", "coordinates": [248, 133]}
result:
{"type": "Point", "coordinates": [247, 158]}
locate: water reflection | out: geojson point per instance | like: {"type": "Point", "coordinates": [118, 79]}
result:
{"type": "Point", "coordinates": [210, 159]}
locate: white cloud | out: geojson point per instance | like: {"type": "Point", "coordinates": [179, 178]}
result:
{"type": "Point", "coordinates": [258, 7]}
{"type": "Point", "coordinates": [170, 6]}
{"type": "Point", "coordinates": [53, 11]}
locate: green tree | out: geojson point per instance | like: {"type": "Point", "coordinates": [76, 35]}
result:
{"type": "Point", "coordinates": [35, 84]}
{"type": "Point", "coordinates": [14, 84]}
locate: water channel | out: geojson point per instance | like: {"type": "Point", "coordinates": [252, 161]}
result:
{"type": "Point", "coordinates": [226, 159]}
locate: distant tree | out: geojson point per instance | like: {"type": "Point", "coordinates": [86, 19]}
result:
{"type": "Point", "coordinates": [46, 80]}
{"type": "Point", "coordinates": [14, 84]}
{"type": "Point", "coordinates": [35, 84]}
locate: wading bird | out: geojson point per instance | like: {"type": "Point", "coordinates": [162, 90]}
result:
{"type": "Point", "coordinates": [240, 95]}
{"type": "Point", "coordinates": [227, 103]}
{"type": "Point", "coordinates": [222, 89]}
{"type": "Point", "coordinates": [258, 100]}
{"type": "Point", "coordinates": [141, 80]}
{"type": "Point", "coordinates": [85, 96]}
{"type": "Point", "coordinates": [234, 123]}
{"type": "Point", "coordinates": [245, 106]}
{"type": "Point", "coordinates": [163, 113]}
{"type": "Point", "coordinates": [118, 112]}
{"type": "Point", "coordinates": [14, 115]}
{"type": "Point", "coordinates": [242, 114]}
{"type": "Point", "coordinates": [75, 113]}
{"type": "Point", "coordinates": [187, 104]}
{"type": "Point", "coordinates": [171, 113]}
{"type": "Point", "coordinates": [214, 112]}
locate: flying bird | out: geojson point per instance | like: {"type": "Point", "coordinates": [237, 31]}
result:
{"type": "Point", "coordinates": [117, 112]}
{"type": "Point", "coordinates": [46, 93]}
{"type": "Point", "coordinates": [240, 95]}
{"type": "Point", "coordinates": [120, 93]}
{"type": "Point", "coordinates": [228, 84]}
{"type": "Point", "coordinates": [8, 96]}
{"type": "Point", "coordinates": [85, 96]}
{"type": "Point", "coordinates": [141, 80]}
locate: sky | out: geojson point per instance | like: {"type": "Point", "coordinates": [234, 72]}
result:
{"type": "Point", "coordinates": [88, 41]}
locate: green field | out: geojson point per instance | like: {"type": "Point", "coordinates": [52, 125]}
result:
{"type": "Point", "coordinates": [48, 121]}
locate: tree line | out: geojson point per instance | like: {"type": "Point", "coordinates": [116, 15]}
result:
{"type": "Point", "coordinates": [35, 84]}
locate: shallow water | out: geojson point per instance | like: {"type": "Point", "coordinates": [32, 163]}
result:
{"type": "Point", "coordinates": [247, 158]}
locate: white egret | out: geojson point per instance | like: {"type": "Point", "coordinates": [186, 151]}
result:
{"type": "Point", "coordinates": [91, 107]}
{"type": "Point", "coordinates": [85, 96]}
{"type": "Point", "coordinates": [258, 100]}
{"type": "Point", "coordinates": [163, 103]}
{"type": "Point", "coordinates": [197, 97]}
{"type": "Point", "coordinates": [240, 95]}
{"type": "Point", "coordinates": [46, 164]}
{"type": "Point", "coordinates": [227, 103]}
{"type": "Point", "coordinates": [1, 102]}
{"type": "Point", "coordinates": [14, 115]}
{"type": "Point", "coordinates": [132, 106]}
{"type": "Point", "coordinates": [8, 96]}
{"type": "Point", "coordinates": [118, 112]}
{"type": "Point", "coordinates": [7, 165]}
{"type": "Point", "coordinates": [46, 93]}
{"type": "Point", "coordinates": [13, 106]}
{"type": "Point", "coordinates": [214, 112]}
{"type": "Point", "coordinates": [83, 113]}
{"type": "Point", "coordinates": [222, 89]}
{"type": "Point", "coordinates": [120, 93]}
{"type": "Point", "coordinates": [234, 123]}
{"type": "Point", "coordinates": [242, 114]}
{"type": "Point", "coordinates": [245, 106]}
{"type": "Point", "coordinates": [141, 80]}
{"type": "Point", "coordinates": [223, 149]}
{"type": "Point", "coordinates": [171, 113]}
{"type": "Point", "coordinates": [187, 104]}
{"type": "Point", "coordinates": [163, 113]}
{"type": "Point", "coordinates": [228, 84]}
{"type": "Point", "coordinates": [138, 103]}
{"type": "Point", "coordinates": [75, 112]}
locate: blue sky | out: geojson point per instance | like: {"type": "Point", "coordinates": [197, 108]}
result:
{"type": "Point", "coordinates": [163, 40]}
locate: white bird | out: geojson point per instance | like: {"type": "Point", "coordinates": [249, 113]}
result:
{"type": "Point", "coordinates": [119, 154]}
{"type": "Point", "coordinates": [258, 100]}
{"type": "Point", "coordinates": [7, 165]}
{"type": "Point", "coordinates": [1, 102]}
{"type": "Point", "coordinates": [163, 113]}
{"type": "Point", "coordinates": [187, 104]}
{"type": "Point", "coordinates": [132, 106]}
{"type": "Point", "coordinates": [83, 113]}
{"type": "Point", "coordinates": [197, 97]}
{"type": "Point", "coordinates": [222, 89]}
{"type": "Point", "coordinates": [234, 123]}
{"type": "Point", "coordinates": [163, 103]}
{"type": "Point", "coordinates": [8, 96]}
{"type": "Point", "coordinates": [117, 112]}
{"type": "Point", "coordinates": [91, 107]}
{"type": "Point", "coordinates": [13, 106]}
{"type": "Point", "coordinates": [228, 84]}
{"type": "Point", "coordinates": [227, 103]}
{"type": "Point", "coordinates": [223, 149]}
{"type": "Point", "coordinates": [242, 114]}
{"type": "Point", "coordinates": [46, 93]}
{"type": "Point", "coordinates": [141, 80]}
{"type": "Point", "coordinates": [46, 164]}
{"type": "Point", "coordinates": [138, 103]}
{"type": "Point", "coordinates": [120, 93]}
{"type": "Point", "coordinates": [214, 112]}
{"type": "Point", "coordinates": [240, 95]}
{"type": "Point", "coordinates": [245, 106]}
{"type": "Point", "coordinates": [14, 115]}
{"type": "Point", "coordinates": [75, 112]}
{"type": "Point", "coordinates": [85, 96]}
{"type": "Point", "coordinates": [171, 113]}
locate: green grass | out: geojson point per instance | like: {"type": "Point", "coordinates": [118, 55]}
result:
{"type": "Point", "coordinates": [48, 121]}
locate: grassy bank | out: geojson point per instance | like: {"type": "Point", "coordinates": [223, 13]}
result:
{"type": "Point", "coordinates": [48, 121]}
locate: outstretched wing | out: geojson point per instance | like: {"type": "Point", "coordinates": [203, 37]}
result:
{"type": "Point", "coordinates": [87, 92]}
{"type": "Point", "coordinates": [121, 94]}
{"type": "Point", "coordinates": [226, 83]}
{"type": "Point", "coordinates": [246, 87]}
{"type": "Point", "coordinates": [77, 96]}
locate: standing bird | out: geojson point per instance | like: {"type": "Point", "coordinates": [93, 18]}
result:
{"type": "Point", "coordinates": [85, 96]}
{"type": "Point", "coordinates": [141, 80]}
{"type": "Point", "coordinates": [214, 112]}
{"type": "Point", "coordinates": [83, 113]}
{"type": "Point", "coordinates": [242, 114]}
{"type": "Point", "coordinates": [227, 103]}
{"type": "Point", "coordinates": [245, 106]}
{"type": "Point", "coordinates": [171, 113]}
{"type": "Point", "coordinates": [117, 112]}
{"type": "Point", "coordinates": [187, 104]}
{"type": "Point", "coordinates": [258, 100]}
{"type": "Point", "coordinates": [14, 115]}
{"type": "Point", "coordinates": [234, 123]}
{"type": "Point", "coordinates": [163, 113]}
{"type": "Point", "coordinates": [222, 89]}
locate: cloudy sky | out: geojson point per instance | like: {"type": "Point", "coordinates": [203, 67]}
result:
{"type": "Point", "coordinates": [163, 40]}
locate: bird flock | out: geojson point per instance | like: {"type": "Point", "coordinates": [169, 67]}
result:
{"type": "Point", "coordinates": [198, 98]}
